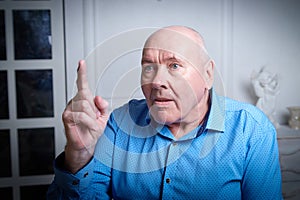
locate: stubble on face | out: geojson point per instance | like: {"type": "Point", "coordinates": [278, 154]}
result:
{"type": "Point", "coordinates": [175, 98]}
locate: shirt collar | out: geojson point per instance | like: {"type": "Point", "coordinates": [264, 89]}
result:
{"type": "Point", "coordinates": [216, 117]}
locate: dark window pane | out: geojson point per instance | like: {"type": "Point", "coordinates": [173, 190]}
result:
{"type": "Point", "coordinates": [5, 167]}
{"type": "Point", "coordinates": [2, 36]}
{"type": "Point", "coordinates": [4, 95]}
{"type": "Point", "coordinates": [6, 193]}
{"type": "Point", "coordinates": [34, 192]}
{"type": "Point", "coordinates": [36, 151]}
{"type": "Point", "coordinates": [32, 34]}
{"type": "Point", "coordinates": [34, 93]}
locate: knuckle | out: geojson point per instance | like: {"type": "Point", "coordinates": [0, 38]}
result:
{"type": "Point", "coordinates": [76, 117]}
{"type": "Point", "coordinates": [67, 116]}
{"type": "Point", "coordinates": [79, 116]}
{"type": "Point", "coordinates": [83, 95]}
{"type": "Point", "coordinates": [85, 92]}
{"type": "Point", "coordinates": [84, 104]}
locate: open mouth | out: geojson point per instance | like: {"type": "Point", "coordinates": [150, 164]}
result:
{"type": "Point", "coordinates": [162, 101]}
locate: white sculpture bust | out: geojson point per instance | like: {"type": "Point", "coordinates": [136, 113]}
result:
{"type": "Point", "coordinates": [266, 88]}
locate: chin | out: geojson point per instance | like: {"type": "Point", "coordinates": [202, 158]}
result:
{"type": "Point", "coordinates": [162, 118]}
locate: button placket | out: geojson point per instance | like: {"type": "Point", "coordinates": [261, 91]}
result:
{"type": "Point", "coordinates": [172, 156]}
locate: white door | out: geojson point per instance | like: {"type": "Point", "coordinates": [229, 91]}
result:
{"type": "Point", "coordinates": [32, 95]}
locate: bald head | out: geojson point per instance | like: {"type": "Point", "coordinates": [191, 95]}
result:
{"type": "Point", "coordinates": [179, 40]}
{"type": "Point", "coordinates": [187, 32]}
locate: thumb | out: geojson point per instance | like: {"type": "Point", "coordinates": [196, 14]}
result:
{"type": "Point", "coordinates": [102, 106]}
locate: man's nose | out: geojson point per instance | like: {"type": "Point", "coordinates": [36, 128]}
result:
{"type": "Point", "coordinates": [160, 79]}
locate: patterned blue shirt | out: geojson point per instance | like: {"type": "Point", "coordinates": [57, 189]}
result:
{"type": "Point", "coordinates": [232, 155]}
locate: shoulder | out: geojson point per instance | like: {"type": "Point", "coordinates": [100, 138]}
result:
{"type": "Point", "coordinates": [242, 107]}
{"type": "Point", "coordinates": [248, 123]}
{"type": "Point", "coordinates": [247, 114]}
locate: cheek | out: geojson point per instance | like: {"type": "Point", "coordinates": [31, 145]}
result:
{"type": "Point", "coordinates": [190, 90]}
{"type": "Point", "coordinates": [146, 88]}
{"type": "Point", "coordinates": [197, 85]}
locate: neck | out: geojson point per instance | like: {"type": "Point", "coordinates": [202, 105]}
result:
{"type": "Point", "coordinates": [195, 118]}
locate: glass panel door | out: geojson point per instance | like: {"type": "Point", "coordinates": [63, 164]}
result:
{"type": "Point", "coordinates": [32, 95]}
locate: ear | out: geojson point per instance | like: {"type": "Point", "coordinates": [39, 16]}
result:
{"type": "Point", "coordinates": [209, 74]}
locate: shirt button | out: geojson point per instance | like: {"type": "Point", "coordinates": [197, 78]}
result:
{"type": "Point", "coordinates": [174, 144]}
{"type": "Point", "coordinates": [75, 182]}
{"type": "Point", "coordinates": [168, 180]}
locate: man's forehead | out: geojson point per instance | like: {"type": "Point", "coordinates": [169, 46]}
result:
{"type": "Point", "coordinates": [150, 53]}
{"type": "Point", "coordinates": [173, 42]}
{"type": "Point", "coordinates": [174, 52]}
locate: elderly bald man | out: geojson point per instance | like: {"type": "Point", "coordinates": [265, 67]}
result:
{"type": "Point", "coordinates": [183, 141]}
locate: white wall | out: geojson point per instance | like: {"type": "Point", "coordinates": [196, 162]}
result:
{"type": "Point", "coordinates": [241, 36]}
{"type": "Point", "coordinates": [267, 33]}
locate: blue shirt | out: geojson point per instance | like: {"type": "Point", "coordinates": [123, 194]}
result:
{"type": "Point", "coordinates": [232, 155]}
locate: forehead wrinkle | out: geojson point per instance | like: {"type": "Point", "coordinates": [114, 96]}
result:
{"type": "Point", "coordinates": [162, 56]}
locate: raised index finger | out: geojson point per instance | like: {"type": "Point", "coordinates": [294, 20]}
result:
{"type": "Point", "coordinates": [82, 81]}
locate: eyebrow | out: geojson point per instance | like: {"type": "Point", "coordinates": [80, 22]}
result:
{"type": "Point", "coordinates": [147, 60]}
{"type": "Point", "coordinates": [171, 57]}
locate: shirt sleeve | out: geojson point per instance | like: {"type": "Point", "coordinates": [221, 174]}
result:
{"type": "Point", "coordinates": [262, 176]}
{"type": "Point", "coordinates": [90, 182]}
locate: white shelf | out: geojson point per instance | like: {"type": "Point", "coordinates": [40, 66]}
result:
{"type": "Point", "coordinates": [285, 132]}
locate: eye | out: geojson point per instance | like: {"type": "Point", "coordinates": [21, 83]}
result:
{"type": "Point", "coordinates": [174, 66]}
{"type": "Point", "coordinates": [148, 68]}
